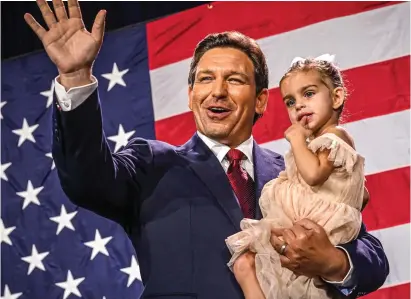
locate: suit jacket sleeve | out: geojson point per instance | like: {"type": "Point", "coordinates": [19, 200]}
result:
{"type": "Point", "coordinates": [90, 174]}
{"type": "Point", "coordinates": [370, 263]}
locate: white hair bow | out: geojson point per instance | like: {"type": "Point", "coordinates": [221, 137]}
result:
{"type": "Point", "coordinates": [325, 57]}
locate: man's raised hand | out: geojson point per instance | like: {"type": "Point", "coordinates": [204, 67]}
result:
{"type": "Point", "coordinates": [69, 45]}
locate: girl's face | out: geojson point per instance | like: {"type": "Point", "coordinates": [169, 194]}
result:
{"type": "Point", "coordinates": [310, 100]}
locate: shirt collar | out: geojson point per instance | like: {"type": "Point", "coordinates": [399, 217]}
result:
{"type": "Point", "coordinates": [221, 150]}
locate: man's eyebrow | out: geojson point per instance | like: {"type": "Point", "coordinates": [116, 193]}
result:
{"type": "Point", "coordinates": [205, 71]}
{"type": "Point", "coordinates": [238, 73]}
{"type": "Point", "coordinates": [229, 73]}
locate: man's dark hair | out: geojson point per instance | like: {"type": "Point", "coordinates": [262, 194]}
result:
{"type": "Point", "coordinates": [236, 40]}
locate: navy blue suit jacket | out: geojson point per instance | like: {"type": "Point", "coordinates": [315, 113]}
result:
{"type": "Point", "coordinates": [176, 205]}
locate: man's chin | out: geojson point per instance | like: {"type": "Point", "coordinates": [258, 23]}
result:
{"type": "Point", "coordinates": [217, 135]}
{"type": "Point", "coordinates": [216, 131]}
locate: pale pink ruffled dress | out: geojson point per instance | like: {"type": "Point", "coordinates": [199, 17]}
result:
{"type": "Point", "coordinates": [335, 205]}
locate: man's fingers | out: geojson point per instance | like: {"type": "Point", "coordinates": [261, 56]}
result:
{"type": "Point", "coordinates": [299, 231]}
{"type": "Point", "coordinates": [277, 231]}
{"type": "Point", "coordinates": [47, 13]}
{"type": "Point", "coordinates": [289, 236]}
{"type": "Point", "coordinates": [74, 9]}
{"type": "Point", "coordinates": [35, 26]}
{"type": "Point", "coordinates": [277, 239]}
{"type": "Point", "coordinates": [60, 10]}
{"type": "Point", "coordinates": [290, 265]}
{"type": "Point", "coordinates": [97, 32]}
{"type": "Point", "coordinates": [308, 224]}
{"type": "Point", "coordinates": [285, 262]}
{"type": "Point", "coordinates": [276, 242]}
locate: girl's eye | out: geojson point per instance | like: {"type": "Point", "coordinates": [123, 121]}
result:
{"type": "Point", "coordinates": [308, 94]}
{"type": "Point", "coordinates": [290, 103]}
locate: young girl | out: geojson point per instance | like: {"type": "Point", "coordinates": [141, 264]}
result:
{"type": "Point", "coordinates": [323, 181]}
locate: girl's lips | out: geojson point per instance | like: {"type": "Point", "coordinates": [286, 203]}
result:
{"type": "Point", "coordinates": [300, 116]}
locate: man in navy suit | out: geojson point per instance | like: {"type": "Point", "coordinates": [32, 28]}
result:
{"type": "Point", "coordinates": [177, 203]}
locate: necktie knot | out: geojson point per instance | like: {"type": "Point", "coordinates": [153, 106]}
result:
{"type": "Point", "coordinates": [235, 155]}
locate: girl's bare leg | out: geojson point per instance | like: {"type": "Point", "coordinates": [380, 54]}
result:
{"type": "Point", "coordinates": [244, 272]}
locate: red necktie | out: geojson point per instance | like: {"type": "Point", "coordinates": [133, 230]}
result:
{"type": "Point", "coordinates": [241, 183]}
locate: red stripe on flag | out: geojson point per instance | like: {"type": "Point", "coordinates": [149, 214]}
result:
{"type": "Point", "coordinates": [389, 203]}
{"type": "Point", "coordinates": [401, 291]}
{"type": "Point", "coordinates": [177, 129]}
{"type": "Point", "coordinates": [377, 89]}
{"type": "Point", "coordinates": [174, 38]}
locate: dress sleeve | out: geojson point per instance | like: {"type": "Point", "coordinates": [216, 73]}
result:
{"type": "Point", "coordinates": [341, 153]}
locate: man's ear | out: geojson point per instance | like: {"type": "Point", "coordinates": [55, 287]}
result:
{"type": "Point", "coordinates": [190, 97]}
{"type": "Point", "coordinates": [338, 97]}
{"type": "Point", "coordinates": [261, 101]}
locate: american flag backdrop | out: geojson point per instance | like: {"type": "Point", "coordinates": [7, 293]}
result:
{"type": "Point", "coordinates": [50, 248]}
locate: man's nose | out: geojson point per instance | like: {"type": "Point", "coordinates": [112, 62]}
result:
{"type": "Point", "coordinates": [219, 89]}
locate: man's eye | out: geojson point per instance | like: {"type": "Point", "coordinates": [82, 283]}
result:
{"type": "Point", "coordinates": [202, 79]}
{"type": "Point", "coordinates": [235, 80]}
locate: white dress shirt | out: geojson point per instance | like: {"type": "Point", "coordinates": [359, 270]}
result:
{"type": "Point", "coordinates": [75, 96]}
{"type": "Point", "coordinates": [221, 150]}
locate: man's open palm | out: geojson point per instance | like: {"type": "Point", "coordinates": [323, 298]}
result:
{"type": "Point", "coordinates": [68, 44]}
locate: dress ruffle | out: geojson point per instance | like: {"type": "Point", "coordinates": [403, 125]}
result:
{"type": "Point", "coordinates": [341, 154]}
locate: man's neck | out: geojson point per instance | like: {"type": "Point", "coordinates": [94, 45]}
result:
{"type": "Point", "coordinates": [220, 149]}
{"type": "Point", "coordinates": [229, 144]}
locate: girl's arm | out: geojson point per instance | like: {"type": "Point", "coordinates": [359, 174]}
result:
{"type": "Point", "coordinates": [315, 169]}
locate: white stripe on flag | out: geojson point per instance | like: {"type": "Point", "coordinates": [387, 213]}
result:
{"type": "Point", "coordinates": [396, 243]}
{"type": "Point", "coordinates": [384, 141]}
{"type": "Point", "coordinates": [356, 40]}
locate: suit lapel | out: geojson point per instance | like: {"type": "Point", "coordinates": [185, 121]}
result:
{"type": "Point", "coordinates": [208, 169]}
{"type": "Point", "coordinates": [267, 166]}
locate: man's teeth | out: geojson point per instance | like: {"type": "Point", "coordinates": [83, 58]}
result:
{"type": "Point", "coordinates": [218, 109]}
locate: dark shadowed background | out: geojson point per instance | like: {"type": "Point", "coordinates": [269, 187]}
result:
{"type": "Point", "coordinates": [18, 39]}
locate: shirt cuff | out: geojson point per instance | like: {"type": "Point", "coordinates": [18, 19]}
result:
{"type": "Point", "coordinates": [347, 283]}
{"type": "Point", "coordinates": [75, 96]}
